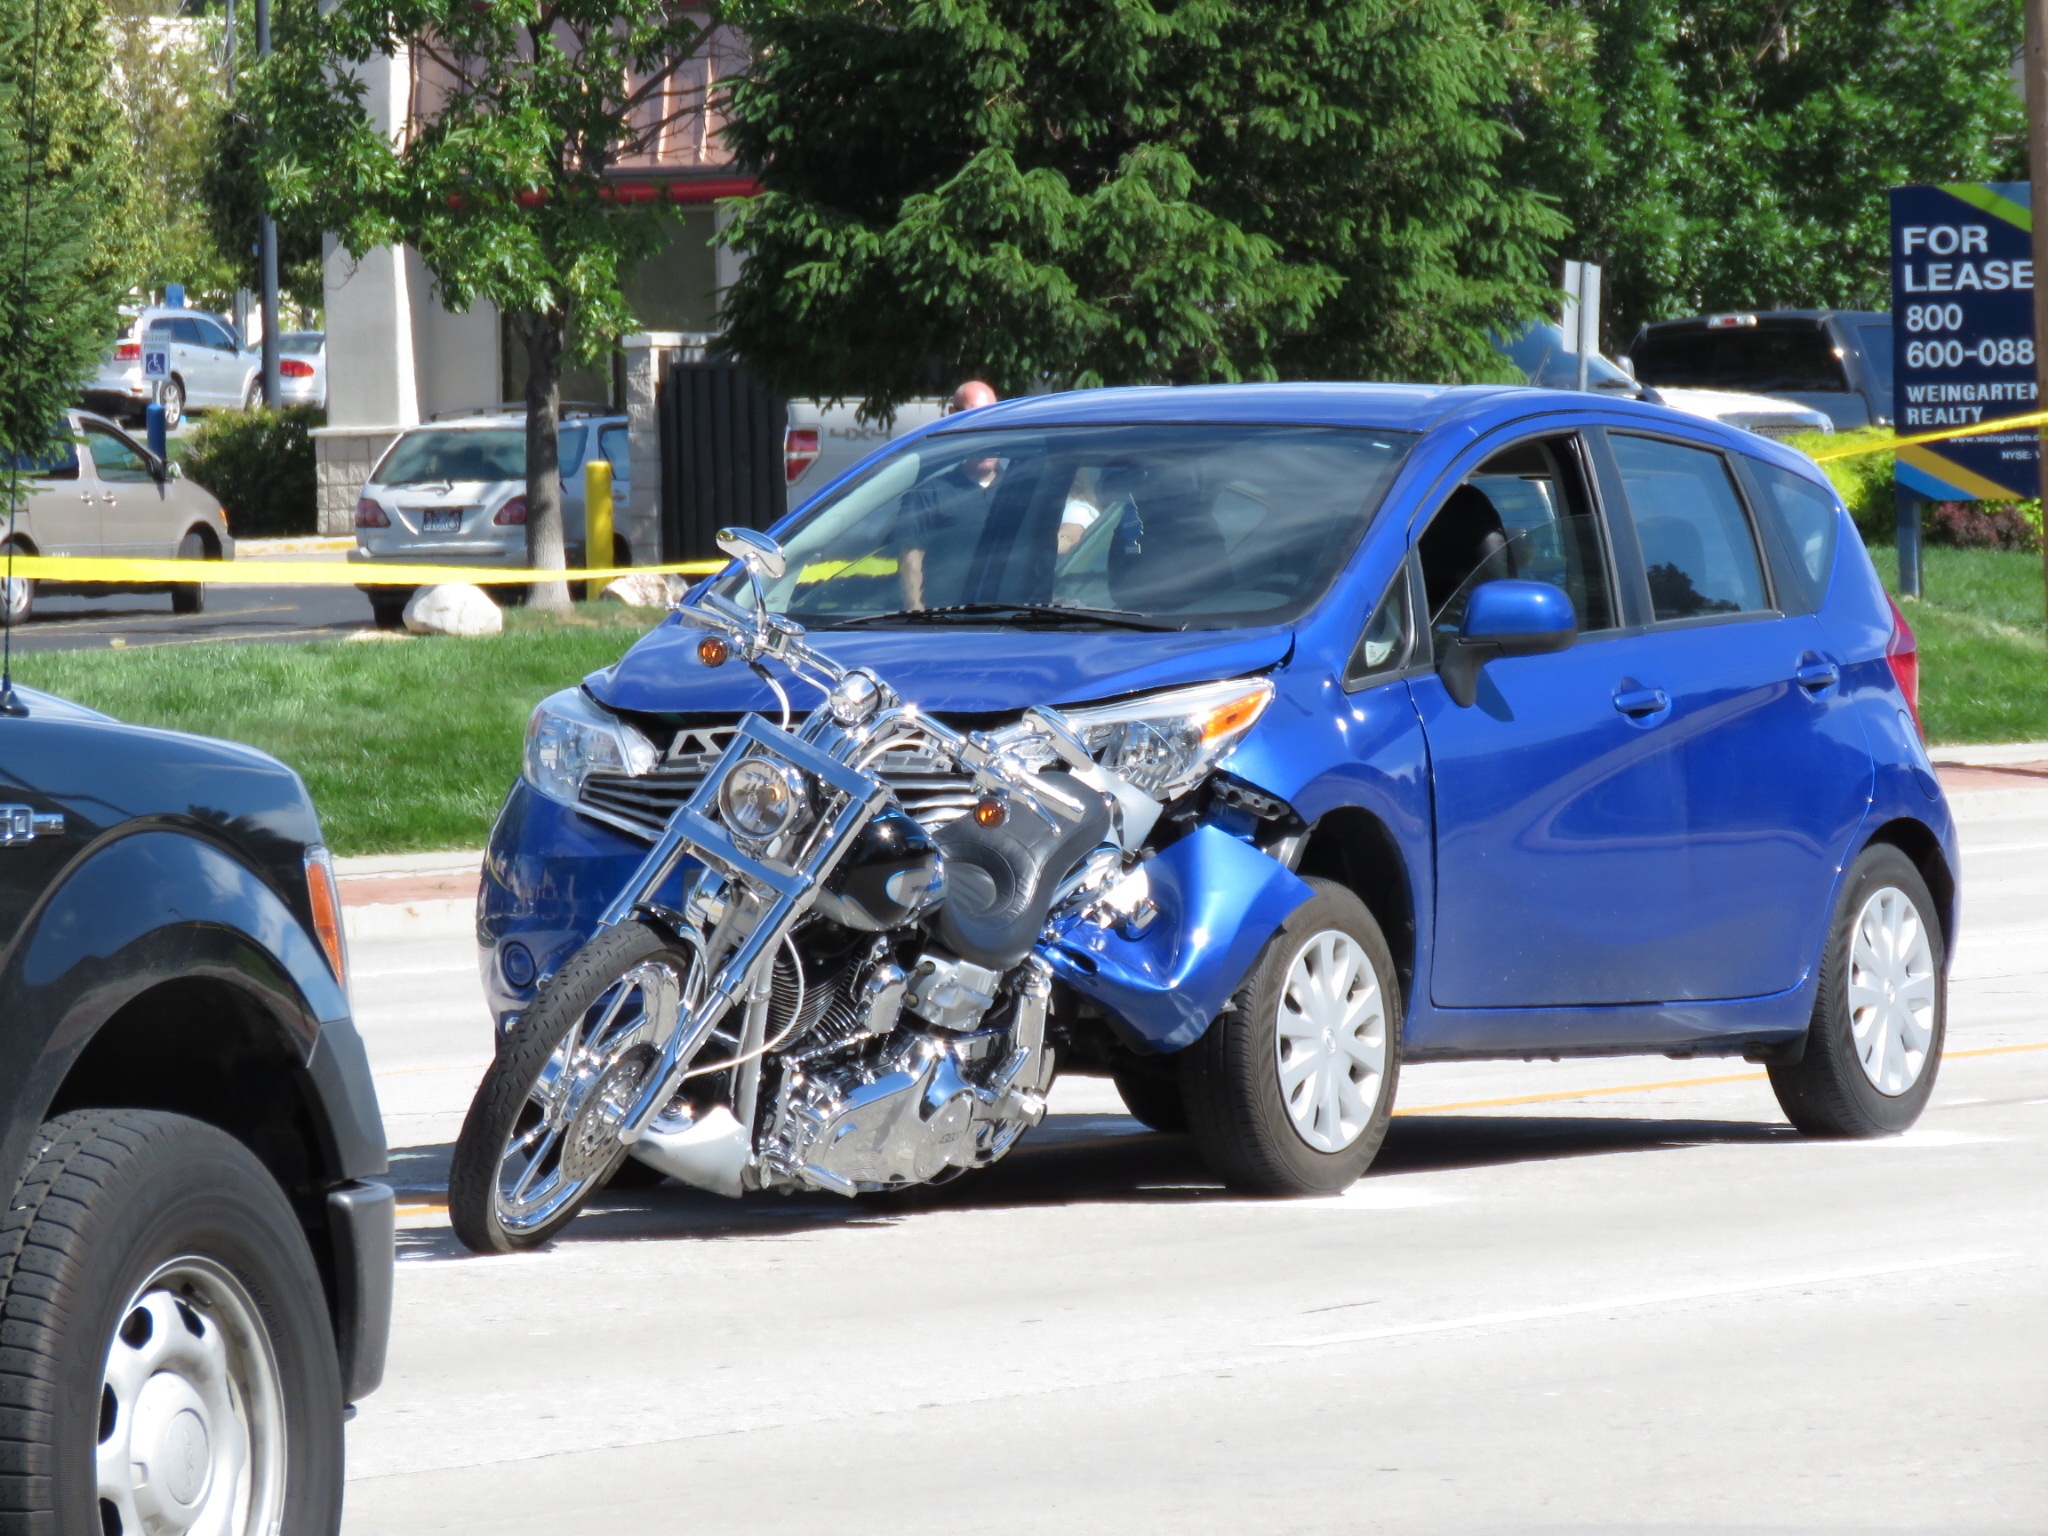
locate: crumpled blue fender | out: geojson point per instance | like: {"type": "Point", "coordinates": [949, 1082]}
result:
{"type": "Point", "coordinates": [1219, 901]}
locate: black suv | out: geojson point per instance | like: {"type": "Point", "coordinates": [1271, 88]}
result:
{"type": "Point", "coordinates": [1835, 360]}
{"type": "Point", "coordinates": [195, 1271]}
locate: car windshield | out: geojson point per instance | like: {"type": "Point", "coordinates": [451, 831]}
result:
{"type": "Point", "coordinates": [1763, 360]}
{"type": "Point", "coordinates": [486, 453]}
{"type": "Point", "coordinates": [1186, 526]}
{"type": "Point", "coordinates": [1547, 360]}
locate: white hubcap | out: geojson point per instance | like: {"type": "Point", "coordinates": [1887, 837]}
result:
{"type": "Point", "coordinates": [1891, 991]}
{"type": "Point", "coordinates": [191, 1431]}
{"type": "Point", "coordinates": [1331, 1041]}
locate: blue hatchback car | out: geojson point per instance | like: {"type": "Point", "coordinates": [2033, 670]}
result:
{"type": "Point", "coordinates": [1560, 725]}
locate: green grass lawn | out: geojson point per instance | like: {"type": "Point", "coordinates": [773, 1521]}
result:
{"type": "Point", "coordinates": [407, 745]}
{"type": "Point", "coordinates": [1983, 645]}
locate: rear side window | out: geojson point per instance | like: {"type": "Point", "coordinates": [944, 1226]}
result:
{"type": "Point", "coordinates": [1761, 360]}
{"type": "Point", "coordinates": [1808, 521]}
{"type": "Point", "coordinates": [617, 445]}
{"type": "Point", "coordinates": [569, 448]}
{"type": "Point", "coordinates": [1698, 551]}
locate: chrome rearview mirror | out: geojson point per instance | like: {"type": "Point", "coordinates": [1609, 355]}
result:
{"type": "Point", "coordinates": [761, 554]}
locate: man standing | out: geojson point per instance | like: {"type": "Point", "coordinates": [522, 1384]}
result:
{"type": "Point", "coordinates": [971, 396]}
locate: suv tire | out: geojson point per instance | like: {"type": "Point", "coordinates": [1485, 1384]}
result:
{"type": "Point", "coordinates": [1252, 1080]}
{"type": "Point", "coordinates": [1887, 928]}
{"type": "Point", "coordinates": [157, 1297]}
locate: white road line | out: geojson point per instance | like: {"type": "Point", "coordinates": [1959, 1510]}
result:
{"type": "Point", "coordinates": [1621, 1303]}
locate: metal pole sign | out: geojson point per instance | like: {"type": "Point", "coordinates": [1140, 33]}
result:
{"type": "Point", "coordinates": [1963, 329]}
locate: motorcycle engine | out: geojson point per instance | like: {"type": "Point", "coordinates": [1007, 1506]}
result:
{"type": "Point", "coordinates": [909, 1077]}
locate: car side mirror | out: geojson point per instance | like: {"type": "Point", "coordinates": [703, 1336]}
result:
{"type": "Point", "coordinates": [1505, 618]}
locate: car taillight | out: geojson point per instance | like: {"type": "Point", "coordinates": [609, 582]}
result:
{"type": "Point", "coordinates": [1902, 651]}
{"type": "Point", "coordinates": [370, 515]}
{"type": "Point", "coordinates": [295, 368]}
{"type": "Point", "coordinates": [512, 514]}
{"type": "Point", "coordinates": [128, 352]}
{"type": "Point", "coordinates": [799, 452]}
{"type": "Point", "coordinates": [324, 901]}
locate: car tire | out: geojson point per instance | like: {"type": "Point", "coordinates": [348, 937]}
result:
{"type": "Point", "coordinates": [1151, 1092]}
{"type": "Point", "coordinates": [160, 1305]}
{"type": "Point", "coordinates": [1321, 1008]}
{"type": "Point", "coordinates": [172, 399]}
{"type": "Point", "coordinates": [190, 596]}
{"type": "Point", "coordinates": [1880, 1013]}
{"type": "Point", "coordinates": [390, 610]}
{"type": "Point", "coordinates": [252, 397]}
{"type": "Point", "coordinates": [17, 596]}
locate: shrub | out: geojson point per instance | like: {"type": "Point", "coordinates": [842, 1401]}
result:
{"type": "Point", "coordinates": [259, 466]}
{"type": "Point", "coordinates": [2014, 525]}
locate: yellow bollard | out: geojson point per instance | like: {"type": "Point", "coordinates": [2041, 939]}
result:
{"type": "Point", "coordinates": [597, 514]}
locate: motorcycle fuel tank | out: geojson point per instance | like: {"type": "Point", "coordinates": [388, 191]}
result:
{"type": "Point", "coordinates": [886, 878]}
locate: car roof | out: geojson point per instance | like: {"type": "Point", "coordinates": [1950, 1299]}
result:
{"type": "Point", "coordinates": [1392, 407]}
{"type": "Point", "coordinates": [1765, 316]}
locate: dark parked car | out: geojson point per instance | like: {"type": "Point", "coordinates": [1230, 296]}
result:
{"type": "Point", "coordinates": [1835, 360]}
{"type": "Point", "coordinates": [195, 1266]}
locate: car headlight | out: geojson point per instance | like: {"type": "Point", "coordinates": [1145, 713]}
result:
{"type": "Point", "coordinates": [569, 738]}
{"type": "Point", "coordinates": [1166, 743]}
{"type": "Point", "coordinates": [762, 798]}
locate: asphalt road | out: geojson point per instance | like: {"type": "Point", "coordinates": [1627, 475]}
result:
{"type": "Point", "coordinates": [1615, 1297]}
{"type": "Point", "coordinates": [232, 613]}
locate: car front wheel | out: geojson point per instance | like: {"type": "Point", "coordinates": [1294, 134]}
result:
{"type": "Point", "coordinates": [170, 1366]}
{"type": "Point", "coordinates": [1880, 1013]}
{"type": "Point", "coordinates": [1289, 1092]}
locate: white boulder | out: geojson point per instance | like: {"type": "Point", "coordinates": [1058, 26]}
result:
{"type": "Point", "coordinates": [456, 608]}
{"type": "Point", "coordinates": [646, 589]}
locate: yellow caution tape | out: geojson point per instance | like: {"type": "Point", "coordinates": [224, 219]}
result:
{"type": "Point", "coordinates": [1982, 429]}
{"type": "Point", "coordinates": [307, 573]}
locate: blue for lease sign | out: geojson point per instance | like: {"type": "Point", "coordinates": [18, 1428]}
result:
{"type": "Point", "coordinates": [1963, 337]}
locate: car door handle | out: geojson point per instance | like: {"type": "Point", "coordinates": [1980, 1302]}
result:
{"type": "Point", "coordinates": [24, 824]}
{"type": "Point", "coordinates": [1634, 700]}
{"type": "Point", "coordinates": [1816, 675]}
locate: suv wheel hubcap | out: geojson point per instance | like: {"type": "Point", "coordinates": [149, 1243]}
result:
{"type": "Point", "coordinates": [192, 1420]}
{"type": "Point", "coordinates": [1891, 991]}
{"type": "Point", "coordinates": [1330, 1041]}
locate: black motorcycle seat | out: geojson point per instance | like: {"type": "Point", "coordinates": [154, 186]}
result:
{"type": "Point", "coordinates": [1000, 881]}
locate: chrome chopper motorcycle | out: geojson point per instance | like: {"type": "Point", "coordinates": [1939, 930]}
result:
{"type": "Point", "coordinates": [839, 998]}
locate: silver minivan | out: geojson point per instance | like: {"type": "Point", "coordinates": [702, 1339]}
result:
{"type": "Point", "coordinates": [453, 492]}
{"type": "Point", "coordinates": [104, 493]}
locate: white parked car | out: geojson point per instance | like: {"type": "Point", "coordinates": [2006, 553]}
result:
{"type": "Point", "coordinates": [301, 368]}
{"type": "Point", "coordinates": [211, 367]}
{"type": "Point", "coordinates": [453, 492]}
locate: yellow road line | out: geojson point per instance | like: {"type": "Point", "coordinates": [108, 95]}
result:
{"type": "Point", "coordinates": [1680, 1082]}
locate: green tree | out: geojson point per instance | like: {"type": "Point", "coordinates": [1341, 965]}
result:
{"type": "Point", "coordinates": [63, 183]}
{"type": "Point", "coordinates": [1126, 191]}
{"type": "Point", "coordinates": [502, 184]}
{"type": "Point", "coordinates": [1736, 155]}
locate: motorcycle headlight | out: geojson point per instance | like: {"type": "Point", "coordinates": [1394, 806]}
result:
{"type": "Point", "coordinates": [1166, 743]}
{"type": "Point", "coordinates": [569, 738]}
{"type": "Point", "coordinates": [762, 798]}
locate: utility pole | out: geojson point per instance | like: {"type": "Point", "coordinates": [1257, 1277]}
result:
{"type": "Point", "coordinates": [2037, 174]}
{"type": "Point", "coordinates": [266, 248]}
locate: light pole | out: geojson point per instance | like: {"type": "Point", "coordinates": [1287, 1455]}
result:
{"type": "Point", "coordinates": [266, 248]}
{"type": "Point", "coordinates": [2037, 175]}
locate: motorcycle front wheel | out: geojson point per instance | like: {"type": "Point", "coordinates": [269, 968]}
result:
{"type": "Point", "coordinates": [541, 1136]}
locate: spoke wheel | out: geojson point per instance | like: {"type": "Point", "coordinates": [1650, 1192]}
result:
{"type": "Point", "coordinates": [1873, 1046]}
{"type": "Point", "coordinates": [192, 1419]}
{"type": "Point", "coordinates": [1330, 1041]}
{"type": "Point", "coordinates": [1290, 1090]}
{"type": "Point", "coordinates": [541, 1136]}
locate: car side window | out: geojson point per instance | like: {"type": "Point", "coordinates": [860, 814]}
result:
{"type": "Point", "coordinates": [60, 463]}
{"type": "Point", "coordinates": [1699, 551]}
{"type": "Point", "coordinates": [1524, 514]}
{"type": "Point", "coordinates": [117, 460]}
{"type": "Point", "coordinates": [1808, 518]}
{"type": "Point", "coordinates": [1388, 640]}
{"type": "Point", "coordinates": [570, 445]}
{"type": "Point", "coordinates": [616, 443]}
{"type": "Point", "coordinates": [211, 335]}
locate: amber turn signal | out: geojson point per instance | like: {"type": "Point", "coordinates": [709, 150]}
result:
{"type": "Point", "coordinates": [713, 651]}
{"type": "Point", "coordinates": [991, 813]}
{"type": "Point", "coordinates": [324, 901]}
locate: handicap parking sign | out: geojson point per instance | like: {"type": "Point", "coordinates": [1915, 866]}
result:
{"type": "Point", "coordinates": [156, 362]}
